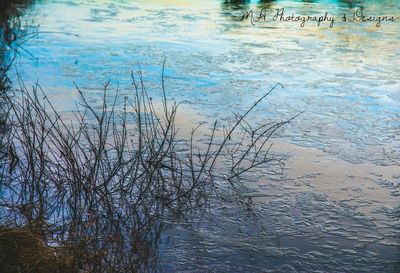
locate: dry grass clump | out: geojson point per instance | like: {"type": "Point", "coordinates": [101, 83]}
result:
{"type": "Point", "coordinates": [23, 251]}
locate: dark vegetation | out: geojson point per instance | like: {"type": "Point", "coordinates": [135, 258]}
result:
{"type": "Point", "coordinates": [98, 188]}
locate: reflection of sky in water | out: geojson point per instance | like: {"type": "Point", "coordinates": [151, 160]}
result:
{"type": "Point", "coordinates": [346, 78]}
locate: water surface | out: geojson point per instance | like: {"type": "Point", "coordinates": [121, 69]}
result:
{"type": "Point", "coordinates": [346, 78]}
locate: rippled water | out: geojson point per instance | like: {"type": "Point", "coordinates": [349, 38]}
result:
{"type": "Point", "coordinates": [346, 78]}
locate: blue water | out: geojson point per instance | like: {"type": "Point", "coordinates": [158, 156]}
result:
{"type": "Point", "coordinates": [345, 78]}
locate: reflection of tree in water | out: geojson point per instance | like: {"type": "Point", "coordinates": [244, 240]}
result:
{"type": "Point", "coordinates": [231, 5]}
{"type": "Point", "coordinates": [10, 33]}
{"type": "Point", "coordinates": [266, 4]}
{"type": "Point", "coordinates": [232, 8]}
{"type": "Point", "coordinates": [350, 3]}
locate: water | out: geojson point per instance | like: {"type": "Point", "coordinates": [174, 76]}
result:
{"type": "Point", "coordinates": [345, 78]}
